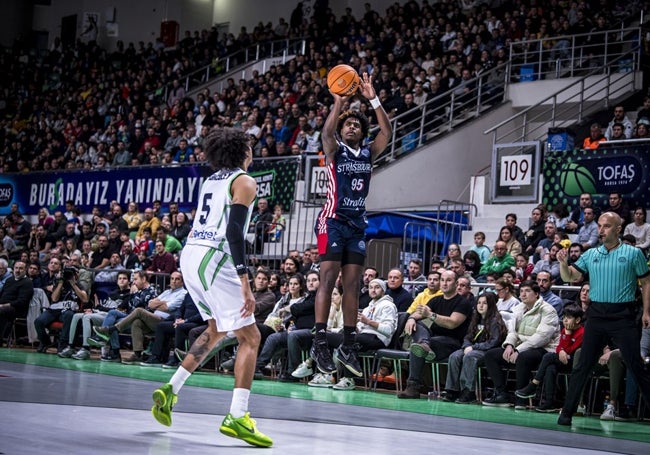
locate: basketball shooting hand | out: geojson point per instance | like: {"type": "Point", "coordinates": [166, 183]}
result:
{"type": "Point", "coordinates": [366, 88]}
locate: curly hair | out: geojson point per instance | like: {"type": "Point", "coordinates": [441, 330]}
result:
{"type": "Point", "coordinates": [365, 124]}
{"type": "Point", "coordinates": [226, 148]}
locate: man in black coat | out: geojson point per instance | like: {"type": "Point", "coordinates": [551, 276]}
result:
{"type": "Point", "coordinates": [15, 297]}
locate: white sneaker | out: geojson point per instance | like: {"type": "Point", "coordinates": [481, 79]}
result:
{"type": "Point", "coordinates": [322, 380]}
{"type": "Point", "coordinates": [609, 413]}
{"type": "Point", "coordinates": [82, 354]}
{"type": "Point", "coordinates": [303, 370]}
{"type": "Point", "coordinates": [345, 384]}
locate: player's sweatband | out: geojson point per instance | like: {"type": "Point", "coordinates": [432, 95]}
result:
{"type": "Point", "coordinates": [375, 103]}
{"type": "Point", "coordinates": [235, 236]}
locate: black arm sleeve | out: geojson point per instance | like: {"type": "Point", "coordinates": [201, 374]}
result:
{"type": "Point", "coordinates": [235, 236]}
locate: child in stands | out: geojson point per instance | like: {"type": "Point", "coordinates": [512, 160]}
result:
{"type": "Point", "coordinates": [560, 361]}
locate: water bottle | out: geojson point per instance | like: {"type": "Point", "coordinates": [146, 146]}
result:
{"type": "Point", "coordinates": [606, 402]}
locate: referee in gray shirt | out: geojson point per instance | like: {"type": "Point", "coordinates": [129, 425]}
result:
{"type": "Point", "coordinates": [614, 269]}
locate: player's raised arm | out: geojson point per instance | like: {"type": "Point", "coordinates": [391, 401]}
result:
{"type": "Point", "coordinates": [385, 128]}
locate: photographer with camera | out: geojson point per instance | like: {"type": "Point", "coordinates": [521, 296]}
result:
{"type": "Point", "coordinates": [94, 315]}
{"type": "Point", "coordinates": [68, 296]}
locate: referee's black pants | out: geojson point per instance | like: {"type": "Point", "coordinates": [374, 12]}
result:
{"type": "Point", "coordinates": [604, 321]}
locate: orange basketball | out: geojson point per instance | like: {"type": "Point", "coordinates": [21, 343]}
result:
{"type": "Point", "coordinates": [343, 80]}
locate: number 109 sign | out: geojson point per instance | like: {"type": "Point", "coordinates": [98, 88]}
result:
{"type": "Point", "coordinates": [516, 170]}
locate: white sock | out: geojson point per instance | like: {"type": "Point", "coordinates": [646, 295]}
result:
{"type": "Point", "coordinates": [179, 379]}
{"type": "Point", "coordinates": [239, 403]}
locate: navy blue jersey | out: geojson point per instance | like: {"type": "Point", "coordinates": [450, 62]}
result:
{"type": "Point", "coordinates": [348, 181]}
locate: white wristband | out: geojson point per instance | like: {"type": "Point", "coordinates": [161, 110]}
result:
{"type": "Point", "coordinates": [375, 103]}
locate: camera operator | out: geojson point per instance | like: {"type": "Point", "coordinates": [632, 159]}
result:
{"type": "Point", "coordinates": [68, 296]}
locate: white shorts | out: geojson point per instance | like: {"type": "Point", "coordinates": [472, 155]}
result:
{"type": "Point", "coordinates": [212, 281]}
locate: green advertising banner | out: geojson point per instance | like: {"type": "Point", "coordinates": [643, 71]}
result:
{"type": "Point", "coordinates": [621, 167]}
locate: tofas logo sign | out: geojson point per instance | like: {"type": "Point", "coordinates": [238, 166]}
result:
{"type": "Point", "coordinates": [6, 194]}
{"type": "Point", "coordinates": [622, 174]}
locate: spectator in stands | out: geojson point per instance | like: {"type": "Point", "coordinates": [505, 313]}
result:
{"type": "Point", "coordinates": [618, 132]}
{"type": "Point", "coordinates": [619, 118]}
{"type": "Point", "coordinates": [129, 259]}
{"type": "Point", "coordinates": [5, 273]}
{"type": "Point", "coordinates": [150, 221]}
{"type": "Point", "coordinates": [34, 274]}
{"type": "Point", "coordinates": [259, 223]}
{"type": "Point", "coordinates": [22, 229]}
{"type": "Point", "coordinates": [533, 333]}
{"type": "Point", "coordinates": [619, 206]}
{"type": "Point", "coordinates": [545, 243]}
{"type": "Point", "coordinates": [588, 233]}
{"type": "Point", "coordinates": [186, 318]}
{"type": "Point", "coordinates": [453, 252]}
{"type": "Point", "coordinates": [163, 262]}
{"type": "Point", "coordinates": [146, 244]}
{"type": "Point", "coordinates": [56, 229]}
{"type": "Point", "coordinates": [535, 232]}
{"type": "Point", "coordinates": [642, 130]}
{"type": "Point", "coordinates": [448, 317]}
{"type": "Point", "coordinates": [545, 281]}
{"type": "Point", "coordinates": [132, 217]}
{"type": "Point", "coordinates": [375, 328]}
{"type": "Point", "coordinates": [67, 298]}
{"type": "Point", "coordinates": [264, 297]}
{"type": "Point", "coordinates": [114, 239]}
{"type": "Point", "coordinates": [94, 314]}
{"type": "Point", "coordinates": [294, 316]}
{"type": "Point", "coordinates": [369, 274]}
{"type": "Point", "coordinates": [559, 361]}
{"type": "Point", "coordinates": [472, 263]}
{"type": "Point", "coordinates": [144, 320]}
{"type": "Point", "coordinates": [506, 234]}
{"type": "Point", "coordinates": [40, 241]}
{"type": "Point", "coordinates": [505, 292]}
{"type": "Point", "coordinates": [595, 137]}
{"type": "Point", "coordinates": [306, 263]}
{"type": "Point", "coordinates": [415, 275]}
{"type": "Point", "coordinates": [486, 331]}
{"type": "Point", "coordinates": [577, 215]}
{"type": "Point", "coordinates": [432, 290]}
{"type": "Point", "coordinates": [15, 296]}
{"type": "Point", "coordinates": [172, 245]}
{"type": "Point", "coordinates": [549, 263]}
{"type": "Point", "coordinates": [482, 250]}
{"type": "Point", "coordinates": [517, 232]}
{"type": "Point", "coordinates": [640, 229]}
{"type": "Point", "coordinates": [291, 266]}
{"type": "Point", "coordinates": [401, 297]}
{"type": "Point", "coordinates": [181, 229]}
{"type": "Point", "coordinates": [499, 261]}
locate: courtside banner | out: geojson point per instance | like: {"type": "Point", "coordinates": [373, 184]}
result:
{"type": "Point", "coordinates": [141, 185]}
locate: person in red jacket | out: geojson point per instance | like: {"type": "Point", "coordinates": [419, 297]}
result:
{"type": "Point", "coordinates": [559, 361]}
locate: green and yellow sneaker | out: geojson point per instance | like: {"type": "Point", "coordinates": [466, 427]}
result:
{"type": "Point", "coordinates": [163, 402]}
{"type": "Point", "coordinates": [244, 428]}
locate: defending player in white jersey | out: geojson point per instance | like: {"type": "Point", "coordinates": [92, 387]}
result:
{"type": "Point", "coordinates": [213, 263]}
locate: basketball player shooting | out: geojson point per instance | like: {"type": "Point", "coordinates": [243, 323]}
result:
{"type": "Point", "coordinates": [341, 224]}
